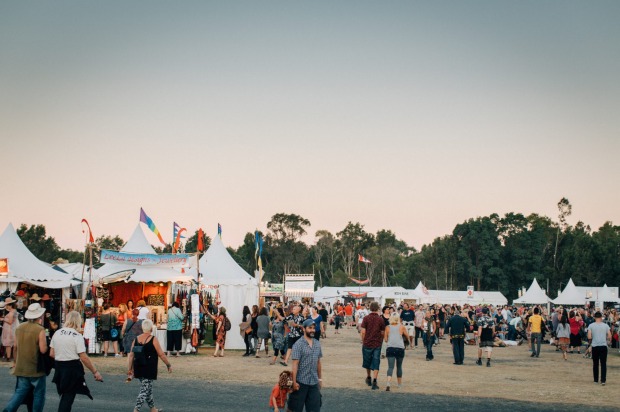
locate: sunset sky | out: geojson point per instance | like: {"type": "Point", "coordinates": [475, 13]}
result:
{"type": "Point", "coordinates": [403, 115]}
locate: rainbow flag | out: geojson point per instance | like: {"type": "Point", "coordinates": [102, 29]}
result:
{"type": "Point", "coordinates": [149, 222]}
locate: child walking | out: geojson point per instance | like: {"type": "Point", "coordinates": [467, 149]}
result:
{"type": "Point", "coordinates": [279, 393]}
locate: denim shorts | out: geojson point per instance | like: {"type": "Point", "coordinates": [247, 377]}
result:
{"type": "Point", "coordinates": [371, 358]}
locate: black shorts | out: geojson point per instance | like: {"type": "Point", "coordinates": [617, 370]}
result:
{"type": "Point", "coordinates": [105, 336]}
{"type": "Point", "coordinates": [290, 341]}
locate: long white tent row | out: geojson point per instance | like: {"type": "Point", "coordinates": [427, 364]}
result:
{"type": "Point", "coordinates": [330, 294]}
{"type": "Point", "coordinates": [579, 295]}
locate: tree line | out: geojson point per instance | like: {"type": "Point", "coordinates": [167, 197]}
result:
{"type": "Point", "coordinates": [492, 252]}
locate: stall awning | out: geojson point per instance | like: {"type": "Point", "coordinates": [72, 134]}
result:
{"type": "Point", "coordinates": [299, 293]}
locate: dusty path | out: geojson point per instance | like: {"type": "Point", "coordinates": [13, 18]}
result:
{"type": "Point", "coordinates": [514, 376]}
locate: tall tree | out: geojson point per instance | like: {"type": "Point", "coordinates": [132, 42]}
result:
{"type": "Point", "coordinates": [36, 240]}
{"type": "Point", "coordinates": [353, 241]}
{"type": "Point", "coordinates": [288, 252]}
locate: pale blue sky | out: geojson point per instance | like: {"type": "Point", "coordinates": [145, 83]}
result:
{"type": "Point", "coordinates": [410, 116]}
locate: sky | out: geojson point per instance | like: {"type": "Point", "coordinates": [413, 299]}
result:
{"type": "Point", "coordinates": [404, 115]}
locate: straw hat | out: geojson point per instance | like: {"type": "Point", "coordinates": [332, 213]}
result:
{"type": "Point", "coordinates": [35, 297]}
{"type": "Point", "coordinates": [35, 311]}
{"type": "Point", "coordinates": [8, 300]}
{"type": "Point", "coordinates": [46, 297]}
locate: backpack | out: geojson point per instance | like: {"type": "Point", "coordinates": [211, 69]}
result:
{"type": "Point", "coordinates": [227, 324]}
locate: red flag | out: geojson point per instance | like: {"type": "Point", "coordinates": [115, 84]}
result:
{"type": "Point", "coordinates": [201, 246]}
{"type": "Point", "coordinates": [359, 281]}
{"type": "Point", "coordinates": [363, 259]}
{"type": "Point", "coordinates": [91, 239]}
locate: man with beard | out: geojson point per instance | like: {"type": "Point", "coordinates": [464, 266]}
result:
{"type": "Point", "coordinates": [307, 373]}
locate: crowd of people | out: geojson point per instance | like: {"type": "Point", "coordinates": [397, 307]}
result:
{"type": "Point", "coordinates": [295, 331]}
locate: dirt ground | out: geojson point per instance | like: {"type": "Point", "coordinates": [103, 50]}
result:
{"type": "Point", "coordinates": [513, 374]}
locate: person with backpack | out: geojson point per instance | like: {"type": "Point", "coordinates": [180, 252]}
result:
{"type": "Point", "coordinates": [143, 359]}
{"type": "Point", "coordinates": [221, 324]}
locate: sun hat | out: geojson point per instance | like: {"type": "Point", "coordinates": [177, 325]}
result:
{"type": "Point", "coordinates": [35, 311]}
{"type": "Point", "coordinates": [46, 297]}
{"type": "Point", "coordinates": [35, 296]}
{"type": "Point", "coordinates": [9, 300]}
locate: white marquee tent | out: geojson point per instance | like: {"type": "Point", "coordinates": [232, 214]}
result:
{"type": "Point", "coordinates": [534, 295]}
{"type": "Point", "coordinates": [237, 288]}
{"type": "Point", "coordinates": [570, 295]}
{"type": "Point", "coordinates": [25, 267]}
{"type": "Point", "coordinates": [603, 295]}
{"type": "Point", "coordinates": [113, 272]}
{"type": "Point", "coordinates": [330, 294]}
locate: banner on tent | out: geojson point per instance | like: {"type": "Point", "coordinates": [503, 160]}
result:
{"type": "Point", "coordinates": [470, 292]}
{"type": "Point", "coordinates": [144, 259]}
{"type": "Point", "coordinates": [4, 266]}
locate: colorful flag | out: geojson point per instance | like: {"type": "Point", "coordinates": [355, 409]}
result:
{"type": "Point", "coordinates": [256, 245]}
{"type": "Point", "coordinates": [219, 230]}
{"type": "Point", "coordinates": [177, 241]}
{"type": "Point", "coordinates": [175, 231]}
{"type": "Point", "coordinates": [91, 239]}
{"type": "Point", "coordinates": [201, 245]}
{"type": "Point", "coordinates": [363, 259]}
{"type": "Point", "coordinates": [149, 222]}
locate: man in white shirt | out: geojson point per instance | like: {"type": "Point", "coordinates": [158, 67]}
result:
{"type": "Point", "coordinates": [360, 316]}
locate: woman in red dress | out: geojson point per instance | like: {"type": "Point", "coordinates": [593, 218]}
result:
{"type": "Point", "coordinates": [220, 331]}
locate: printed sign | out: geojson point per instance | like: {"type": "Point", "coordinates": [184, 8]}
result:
{"type": "Point", "coordinates": [4, 266]}
{"type": "Point", "coordinates": [470, 292]}
{"type": "Point", "coordinates": [143, 259]}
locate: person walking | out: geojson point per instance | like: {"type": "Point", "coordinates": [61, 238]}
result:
{"type": "Point", "coordinates": [307, 371]}
{"type": "Point", "coordinates": [107, 321]}
{"type": "Point", "coordinates": [407, 316]}
{"type": "Point", "coordinates": [599, 336]}
{"type": "Point", "coordinates": [535, 328]}
{"type": "Point", "coordinates": [220, 331]}
{"type": "Point", "coordinates": [486, 332]}
{"type": "Point", "coordinates": [373, 333]}
{"type": "Point", "coordinates": [277, 330]}
{"type": "Point", "coordinates": [143, 359]}
{"type": "Point", "coordinates": [576, 323]}
{"type": "Point", "coordinates": [174, 331]}
{"type": "Point", "coordinates": [144, 312]}
{"type": "Point", "coordinates": [428, 335]}
{"type": "Point", "coordinates": [457, 327]}
{"type": "Point", "coordinates": [395, 334]}
{"type": "Point", "coordinates": [254, 327]}
{"type": "Point", "coordinates": [562, 334]}
{"type": "Point", "coordinates": [295, 321]}
{"type": "Point", "coordinates": [9, 325]}
{"type": "Point", "coordinates": [69, 353]}
{"type": "Point", "coordinates": [131, 329]}
{"type": "Point", "coordinates": [419, 323]}
{"type": "Point", "coordinates": [262, 322]}
{"type": "Point", "coordinates": [246, 330]}
{"type": "Point", "coordinates": [318, 321]}
{"type": "Point", "coordinates": [120, 323]}
{"type": "Point", "coordinates": [29, 343]}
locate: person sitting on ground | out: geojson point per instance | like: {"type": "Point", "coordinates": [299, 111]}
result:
{"type": "Point", "coordinates": [280, 391]}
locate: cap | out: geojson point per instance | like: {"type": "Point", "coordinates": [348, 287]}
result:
{"type": "Point", "coordinates": [308, 323]}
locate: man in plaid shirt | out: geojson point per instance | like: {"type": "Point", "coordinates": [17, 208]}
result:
{"type": "Point", "coordinates": [307, 382]}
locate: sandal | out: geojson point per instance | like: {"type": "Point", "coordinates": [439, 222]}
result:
{"type": "Point", "coordinates": [283, 364]}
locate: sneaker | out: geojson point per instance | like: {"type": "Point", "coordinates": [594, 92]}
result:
{"type": "Point", "coordinates": [375, 386]}
{"type": "Point", "coordinates": [368, 381]}
{"type": "Point", "coordinates": [479, 362]}
{"type": "Point", "coordinates": [118, 355]}
{"type": "Point", "coordinates": [488, 363]}
{"type": "Point", "coordinates": [246, 354]}
{"type": "Point", "coordinates": [532, 355]}
{"type": "Point", "coordinates": [602, 383]}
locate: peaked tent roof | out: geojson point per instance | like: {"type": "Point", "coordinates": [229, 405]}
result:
{"type": "Point", "coordinates": [570, 295]}
{"type": "Point", "coordinates": [535, 295]}
{"type": "Point", "coordinates": [219, 268]}
{"type": "Point", "coordinates": [137, 243]}
{"type": "Point", "coordinates": [606, 295]}
{"type": "Point", "coordinates": [26, 266]}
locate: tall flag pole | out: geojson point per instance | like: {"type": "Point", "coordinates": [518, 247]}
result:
{"type": "Point", "coordinates": [366, 262]}
{"type": "Point", "coordinates": [199, 248]}
{"type": "Point", "coordinates": [91, 241]}
{"type": "Point", "coordinates": [149, 222]}
{"type": "Point", "coordinates": [177, 241]}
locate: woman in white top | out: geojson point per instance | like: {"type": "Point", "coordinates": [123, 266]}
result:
{"type": "Point", "coordinates": [144, 311]}
{"type": "Point", "coordinates": [69, 353]}
{"type": "Point", "coordinates": [395, 348]}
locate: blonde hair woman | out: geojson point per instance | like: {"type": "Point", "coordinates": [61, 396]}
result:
{"type": "Point", "coordinates": [69, 353]}
{"type": "Point", "coordinates": [144, 311]}
{"type": "Point", "coordinates": [143, 364]}
{"type": "Point", "coordinates": [395, 348]}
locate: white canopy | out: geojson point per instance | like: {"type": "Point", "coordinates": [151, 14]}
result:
{"type": "Point", "coordinates": [423, 292]}
{"type": "Point", "coordinates": [25, 266]}
{"type": "Point", "coordinates": [237, 288]}
{"type": "Point", "coordinates": [535, 295]}
{"type": "Point", "coordinates": [460, 297]}
{"type": "Point", "coordinates": [570, 295]}
{"type": "Point", "coordinates": [605, 295]}
{"type": "Point", "coordinates": [332, 293]}
{"type": "Point", "coordinates": [113, 272]}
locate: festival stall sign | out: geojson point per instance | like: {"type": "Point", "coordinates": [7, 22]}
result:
{"type": "Point", "coordinates": [4, 266]}
{"type": "Point", "coordinates": [177, 260]}
{"type": "Point", "coordinates": [272, 290]}
{"type": "Point", "coordinates": [470, 292]}
{"type": "Point", "coordinates": [358, 295]}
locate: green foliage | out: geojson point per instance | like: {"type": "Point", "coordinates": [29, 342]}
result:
{"type": "Point", "coordinates": [36, 240]}
{"type": "Point", "coordinates": [191, 246]}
